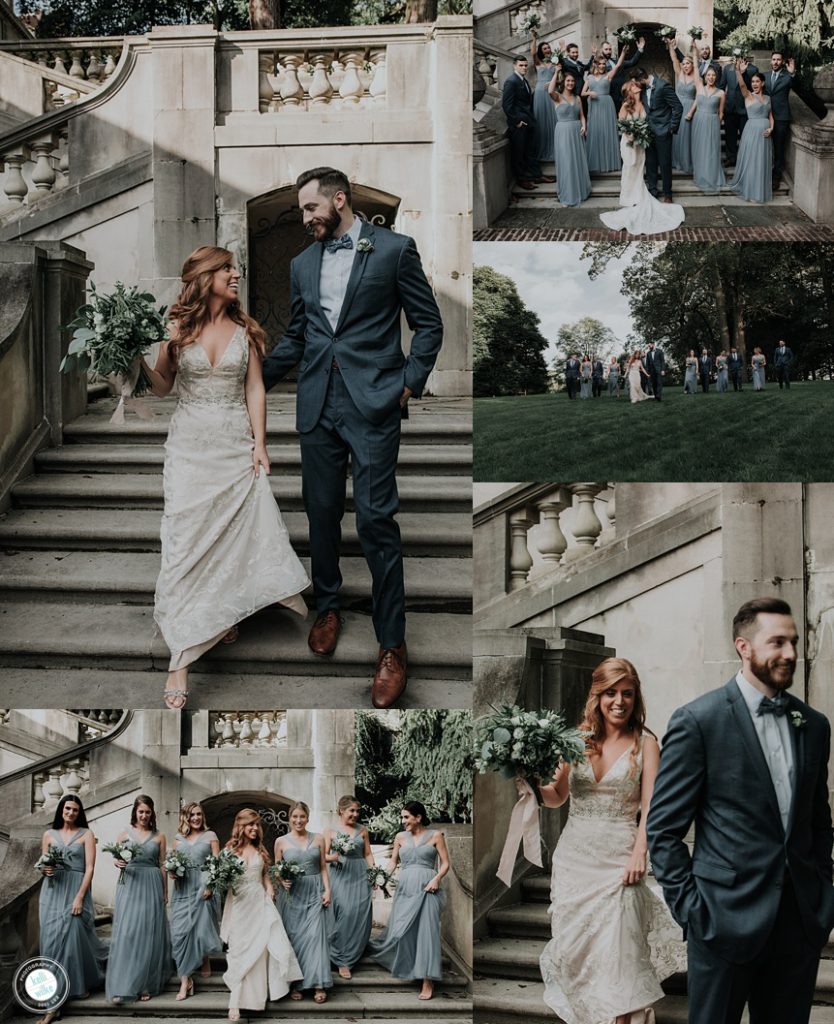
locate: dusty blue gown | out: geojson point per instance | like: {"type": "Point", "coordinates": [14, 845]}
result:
{"type": "Point", "coordinates": [758, 363]}
{"type": "Point", "coordinates": [754, 167]}
{"type": "Point", "coordinates": [603, 138]}
{"type": "Point", "coordinates": [707, 172]}
{"type": "Point", "coordinates": [682, 140]}
{"type": "Point", "coordinates": [304, 916]}
{"type": "Point", "coordinates": [722, 376]}
{"type": "Point", "coordinates": [351, 909]}
{"type": "Point", "coordinates": [140, 950]}
{"type": "Point", "coordinates": [544, 110]}
{"type": "Point", "coordinates": [71, 939]}
{"type": "Point", "coordinates": [410, 946]}
{"type": "Point", "coordinates": [585, 386]}
{"type": "Point", "coordinates": [573, 182]}
{"type": "Point", "coordinates": [195, 929]}
{"type": "Point", "coordinates": [690, 381]}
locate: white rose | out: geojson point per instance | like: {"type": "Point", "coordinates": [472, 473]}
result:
{"type": "Point", "coordinates": [126, 855]}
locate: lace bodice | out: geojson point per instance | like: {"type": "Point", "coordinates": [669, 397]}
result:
{"type": "Point", "coordinates": [201, 384]}
{"type": "Point", "coordinates": [252, 877]}
{"type": "Point", "coordinates": [615, 796]}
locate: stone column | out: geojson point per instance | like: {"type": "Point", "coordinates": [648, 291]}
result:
{"type": "Point", "coordinates": [811, 153]}
{"type": "Point", "coordinates": [335, 764]}
{"type": "Point", "coordinates": [819, 590]}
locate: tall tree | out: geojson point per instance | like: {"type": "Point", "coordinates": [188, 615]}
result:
{"type": "Point", "coordinates": [586, 335]}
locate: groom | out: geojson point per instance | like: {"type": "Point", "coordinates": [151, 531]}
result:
{"type": "Point", "coordinates": [663, 112]}
{"type": "Point", "coordinates": [748, 764]}
{"type": "Point", "coordinates": [348, 292]}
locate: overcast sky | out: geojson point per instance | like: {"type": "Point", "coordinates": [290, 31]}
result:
{"type": "Point", "coordinates": [554, 282]}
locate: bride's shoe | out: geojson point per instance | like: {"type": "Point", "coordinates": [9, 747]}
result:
{"type": "Point", "coordinates": [174, 697]}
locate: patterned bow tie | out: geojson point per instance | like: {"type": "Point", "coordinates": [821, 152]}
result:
{"type": "Point", "coordinates": [776, 706]}
{"type": "Point", "coordinates": [335, 244]}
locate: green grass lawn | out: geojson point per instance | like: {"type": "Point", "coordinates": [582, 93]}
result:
{"type": "Point", "coordinates": [768, 435]}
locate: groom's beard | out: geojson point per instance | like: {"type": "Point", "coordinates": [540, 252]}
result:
{"type": "Point", "coordinates": [322, 228]}
{"type": "Point", "coordinates": [777, 672]}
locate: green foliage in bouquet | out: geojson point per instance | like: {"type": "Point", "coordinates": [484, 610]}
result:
{"type": "Point", "coordinates": [110, 332]}
{"type": "Point", "coordinates": [626, 34]}
{"type": "Point", "coordinates": [528, 743]}
{"type": "Point", "coordinates": [666, 32]}
{"type": "Point", "coordinates": [639, 130]}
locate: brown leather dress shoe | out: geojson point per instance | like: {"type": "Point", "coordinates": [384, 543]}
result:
{"type": "Point", "coordinates": [526, 185]}
{"type": "Point", "coordinates": [390, 676]}
{"type": "Point", "coordinates": [325, 634]}
{"type": "Point", "coordinates": [544, 179]}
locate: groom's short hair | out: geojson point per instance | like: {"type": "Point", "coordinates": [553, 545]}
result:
{"type": "Point", "coordinates": [748, 613]}
{"type": "Point", "coordinates": [639, 73]}
{"type": "Point", "coordinates": [330, 181]}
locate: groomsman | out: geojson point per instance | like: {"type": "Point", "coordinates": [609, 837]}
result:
{"type": "Point", "coordinates": [706, 62]}
{"type": "Point", "coordinates": [570, 62]}
{"type": "Point", "coordinates": [782, 359]}
{"type": "Point", "coordinates": [736, 368]}
{"type": "Point", "coordinates": [735, 112]}
{"type": "Point", "coordinates": [778, 84]}
{"type": "Point", "coordinates": [655, 367]}
{"type": "Point", "coordinates": [597, 373]}
{"type": "Point", "coordinates": [572, 374]}
{"type": "Point", "coordinates": [704, 369]}
{"type": "Point", "coordinates": [517, 104]}
{"type": "Point", "coordinates": [607, 53]}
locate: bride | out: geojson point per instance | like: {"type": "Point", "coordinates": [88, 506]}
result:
{"type": "Point", "coordinates": [613, 941]}
{"type": "Point", "coordinates": [641, 213]}
{"type": "Point", "coordinates": [635, 383]}
{"type": "Point", "coordinates": [225, 550]}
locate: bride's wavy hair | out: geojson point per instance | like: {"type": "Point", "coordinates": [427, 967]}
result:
{"type": "Point", "coordinates": [248, 816]}
{"type": "Point", "coordinates": [631, 96]}
{"type": "Point", "coordinates": [607, 674]}
{"type": "Point", "coordinates": [191, 309]}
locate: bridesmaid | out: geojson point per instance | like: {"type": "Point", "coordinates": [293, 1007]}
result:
{"type": "Point", "coordinates": [685, 89]}
{"type": "Point", "coordinates": [67, 918]}
{"type": "Point", "coordinates": [410, 946]}
{"type": "Point", "coordinates": [614, 377]}
{"type": "Point", "coordinates": [140, 951]}
{"type": "Point", "coordinates": [722, 375]}
{"type": "Point", "coordinates": [603, 138]}
{"type": "Point", "coordinates": [573, 182]}
{"type": "Point", "coordinates": [706, 115]}
{"type": "Point", "coordinates": [543, 109]}
{"type": "Point", "coordinates": [303, 902]}
{"type": "Point", "coordinates": [754, 166]}
{"type": "Point", "coordinates": [586, 369]}
{"type": "Point", "coordinates": [352, 907]}
{"type": "Point", "coordinates": [195, 913]}
{"type": "Point", "coordinates": [690, 380]}
{"type": "Point", "coordinates": [758, 362]}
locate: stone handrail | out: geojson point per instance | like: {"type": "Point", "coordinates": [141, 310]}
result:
{"type": "Point", "coordinates": [488, 61]}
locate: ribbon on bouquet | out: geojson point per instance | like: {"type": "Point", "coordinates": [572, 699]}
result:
{"type": "Point", "coordinates": [524, 829]}
{"type": "Point", "coordinates": [126, 385]}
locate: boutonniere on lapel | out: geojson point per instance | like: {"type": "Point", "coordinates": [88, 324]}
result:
{"type": "Point", "coordinates": [797, 721]}
{"type": "Point", "coordinates": [364, 245]}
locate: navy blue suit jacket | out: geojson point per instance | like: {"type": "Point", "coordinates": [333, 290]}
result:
{"type": "Point", "coordinates": [517, 100]}
{"type": "Point", "coordinates": [729, 83]}
{"type": "Point", "coordinates": [779, 94]}
{"type": "Point", "coordinates": [665, 110]}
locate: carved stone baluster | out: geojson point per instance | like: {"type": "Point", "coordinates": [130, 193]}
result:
{"type": "Point", "coordinates": [95, 68]}
{"type": "Point", "coordinates": [228, 732]}
{"type": "Point", "coordinates": [72, 781]}
{"type": "Point", "coordinates": [550, 540]}
{"type": "Point", "coordinates": [38, 795]}
{"type": "Point", "coordinates": [351, 89]}
{"type": "Point", "coordinates": [15, 185]}
{"type": "Point", "coordinates": [43, 173]}
{"type": "Point", "coordinates": [291, 92]}
{"type": "Point", "coordinates": [485, 70]}
{"type": "Point", "coordinates": [378, 88]}
{"type": "Point", "coordinates": [109, 64]}
{"type": "Point", "coordinates": [246, 734]}
{"type": "Point", "coordinates": [586, 525]}
{"type": "Point", "coordinates": [76, 67]}
{"type": "Point", "coordinates": [59, 63]}
{"type": "Point", "coordinates": [321, 91]}
{"type": "Point", "coordinates": [52, 788]}
{"type": "Point", "coordinates": [520, 560]}
{"type": "Point", "coordinates": [266, 92]}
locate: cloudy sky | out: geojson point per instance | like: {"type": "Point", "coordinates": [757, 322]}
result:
{"type": "Point", "coordinates": [553, 281]}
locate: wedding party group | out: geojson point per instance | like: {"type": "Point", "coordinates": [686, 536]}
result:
{"type": "Point", "coordinates": [226, 551]}
{"type": "Point", "coordinates": [611, 115]}
{"type": "Point", "coordinates": [746, 766]}
{"type": "Point", "coordinates": [289, 917]}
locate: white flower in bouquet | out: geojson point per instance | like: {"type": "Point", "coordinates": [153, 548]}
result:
{"type": "Point", "coordinates": [286, 871]}
{"type": "Point", "coordinates": [53, 858]}
{"type": "Point", "coordinates": [222, 871]}
{"type": "Point", "coordinates": [666, 32]}
{"type": "Point", "coordinates": [626, 34]}
{"type": "Point", "coordinates": [696, 32]}
{"type": "Point", "coordinates": [342, 844]}
{"type": "Point", "coordinates": [528, 24]}
{"type": "Point", "coordinates": [379, 878]}
{"type": "Point", "coordinates": [545, 741]}
{"type": "Point", "coordinates": [125, 851]}
{"type": "Point", "coordinates": [177, 863]}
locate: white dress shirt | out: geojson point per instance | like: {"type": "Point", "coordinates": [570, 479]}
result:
{"type": "Point", "coordinates": [774, 736]}
{"type": "Point", "coordinates": [335, 271]}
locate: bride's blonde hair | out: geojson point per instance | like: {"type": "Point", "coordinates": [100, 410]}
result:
{"type": "Point", "coordinates": [631, 96]}
{"type": "Point", "coordinates": [607, 674]}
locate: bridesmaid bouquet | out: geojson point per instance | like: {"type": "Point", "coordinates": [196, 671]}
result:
{"type": "Point", "coordinates": [341, 844]}
{"type": "Point", "coordinates": [666, 32]}
{"type": "Point", "coordinates": [177, 864]}
{"type": "Point", "coordinates": [530, 744]}
{"type": "Point", "coordinates": [639, 130]}
{"type": "Point", "coordinates": [378, 877]}
{"type": "Point", "coordinates": [125, 850]}
{"type": "Point", "coordinates": [626, 34]}
{"type": "Point", "coordinates": [286, 871]}
{"type": "Point", "coordinates": [111, 333]}
{"type": "Point", "coordinates": [696, 32]}
{"type": "Point", "coordinates": [223, 871]}
{"type": "Point", "coordinates": [528, 23]}
{"type": "Point", "coordinates": [53, 858]}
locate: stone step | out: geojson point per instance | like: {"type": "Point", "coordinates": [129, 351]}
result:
{"type": "Point", "coordinates": [366, 976]}
{"type": "Point", "coordinates": [521, 920]}
{"type": "Point", "coordinates": [608, 184]}
{"type": "Point", "coordinates": [97, 576]}
{"type": "Point", "coordinates": [441, 1013]}
{"type": "Point", "coordinates": [144, 490]}
{"type": "Point", "coordinates": [448, 534]}
{"type": "Point", "coordinates": [608, 201]}
{"type": "Point", "coordinates": [414, 459]}
{"type": "Point", "coordinates": [536, 889]}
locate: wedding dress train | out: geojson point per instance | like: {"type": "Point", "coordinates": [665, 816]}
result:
{"type": "Point", "coordinates": [641, 213]}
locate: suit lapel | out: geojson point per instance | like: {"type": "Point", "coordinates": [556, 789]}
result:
{"type": "Point", "coordinates": [315, 270]}
{"type": "Point", "coordinates": [751, 742]}
{"type": "Point", "coordinates": [356, 272]}
{"type": "Point", "coordinates": [797, 735]}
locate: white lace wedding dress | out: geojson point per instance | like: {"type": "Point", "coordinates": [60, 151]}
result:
{"type": "Point", "coordinates": [612, 944]}
{"type": "Point", "coordinates": [260, 962]}
{"type": "Point", "coordinates": [641, 213]}
{"type": "Point", "coordinates": [635, 384]}
{"type": "Point", "coordinates": [226, 552]}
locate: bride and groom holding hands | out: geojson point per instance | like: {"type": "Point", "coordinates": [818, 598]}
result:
{"type": "Point", "coordinates": [226, 552]}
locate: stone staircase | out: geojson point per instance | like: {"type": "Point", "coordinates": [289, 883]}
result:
{"type": "Point", "coordinates": [80, 553]}
{"type": "Point", "coordinates": [508, 988]}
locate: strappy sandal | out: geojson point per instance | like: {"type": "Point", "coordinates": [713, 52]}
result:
{"type": "Point", "coordinates": [320, 996]}
{"type": "Point", "coordinates": [296, 996]}
{"type": "Point", "coordinates": [234, 1015]}
{"type": "Point", "coordinates": [189, 991]}
{"type": "Point", "coordinates": [231, 636]}
{"type": "Point", "coordinates": [174, 699]}
{"type": "Point", "coordinates": [344, 972]}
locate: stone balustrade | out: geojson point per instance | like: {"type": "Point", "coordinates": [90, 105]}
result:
{"type": "Point", "coordinates": [486, 66]}
{"type": "Point", "coordinates": [70, 777]}
{"type": "Point", "coordinates": [311, 79]}
{"type": "Point", "coordinates": [95, 722]}
{"type": "Point", "coordinates": [248, 729]}
{"type": "Point", "coordinates": [71, 67]}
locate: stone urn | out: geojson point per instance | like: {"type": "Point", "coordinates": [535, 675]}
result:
{"type": "Point", "coordinates": [824, 88]}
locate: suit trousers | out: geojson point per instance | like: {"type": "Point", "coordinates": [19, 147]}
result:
{"type": "Point", "coordinates": [778, 985]}
{"type": "Point", "coordinates": [657, 384]}
{"type": "Point", "coordinates": [343, 431]}
{"type": "Point", "coordinates": [733, 127]}
{"type": "Point", "coordinates": [659, 158]}
{"type": "Point", "coordinates": [704, 375]}
{"type": "Point", "coordinates": [522, 153]}
{"type": "Point", "coordinates": [781, 131]}
{"type": "Point", "coordinates": [783, 375]}
{"type": "Point", "coordinates": [570, 384]}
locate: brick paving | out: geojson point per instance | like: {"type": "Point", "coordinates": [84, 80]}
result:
{"type": "Point", "coordinates": [754, 233]}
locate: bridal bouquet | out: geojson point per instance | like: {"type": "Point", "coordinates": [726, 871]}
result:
{"type": "Point", "coordinates": [341, 844]}
{"type": "Point", "coordinates": [639, 130]}
{"type": "Point", "coordinates": [696, 32]}
{"type": "Point", "coordinates": [53, 858]}
{"type": "Point", "coordinates": [528, 23]}
{"type": "Point", "coordinates": [125, 850]}
{"type": "Point", "coordinates": [626, 34]}
{"type": "Point", "coordinates": [530, 744]}
{"type": "Point", "coordinates": [666, 32]}
{"type": "Point", "coordinates": [286, 871]}
{"type": "Point", "coordinates": [111, 333]}
{"type": "Point", "coordinates": [223, 871]}
{"type": "Point", "coordinates": [379, 877]}
{"type": "Point", "coordinates": [177, 864]}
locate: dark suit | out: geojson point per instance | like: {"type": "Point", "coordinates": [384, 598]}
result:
{"type": "Point", "coordinates": [517, 104]}
{"type": "Point", "coordinates": [704, 371]}
{"type": "Point", "coordinates": [778, 88]}
{"type": "Point", "coordinates": [755, 899]}
{"type": "Point", "coordinates": [655, 365]}
{"type": "Point", "coordinates": [735, 112]}
{"type": "Point", "coordinates": [735, 366]}
{"type": "Point", "coordinates": [597, 373]}
{"type": "Point", "coordinates": [571, 376]}
{"type": "Point", "coordinates": [350, 382]}
{"type": "Point", "coordinates": [618, 80]}
{"type": "Point", "coordinates": [782, 360]}
{"type": "Point", "coordinates": [577, 68]}
{"type": "Point", "coordinates": [664, 112]}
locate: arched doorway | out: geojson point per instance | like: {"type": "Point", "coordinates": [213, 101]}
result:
{"type": "Point", "coordinates": [220, 813]}
{"type": "Point", "coordinates": [655, 56]}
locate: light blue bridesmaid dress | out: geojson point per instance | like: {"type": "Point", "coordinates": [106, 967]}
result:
{"type": "Point", "coordinates": [544, 111]}
{"type": "Point", "coordinates": [722, 376]}
{"type": "Point", "coordinates": [690, 382]}
{"type": "Point", "coordinates": [410, 946]}
{"type": "Point", "coordinates": [603, 138]}
{"type": "Point", "coordinates": [707, 172]}
{"type": "Point", "coordinates": [71, 939]}
{"type": "Point", "coordinates": [304, 916]}
{"type": "Point", "coordinates": [573, 182]}
{"type": "Point", "coordinates": [351, 909]}
{"type": "Point", "coordinates": [195, 932]}
{"type": "Point", "coordinates": [758, 363]}
{"type": "Point", "coordinates": [754, 167]}
{"type": "Point", "coordinates": [140, 950]}
{"type": "Point", "coordinates": [682, 141]}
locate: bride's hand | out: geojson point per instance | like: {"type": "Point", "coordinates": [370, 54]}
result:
{"type": "Point", "coordinates": [260, 458]}
{"type": "Point", "coordinates": [635, 869]}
